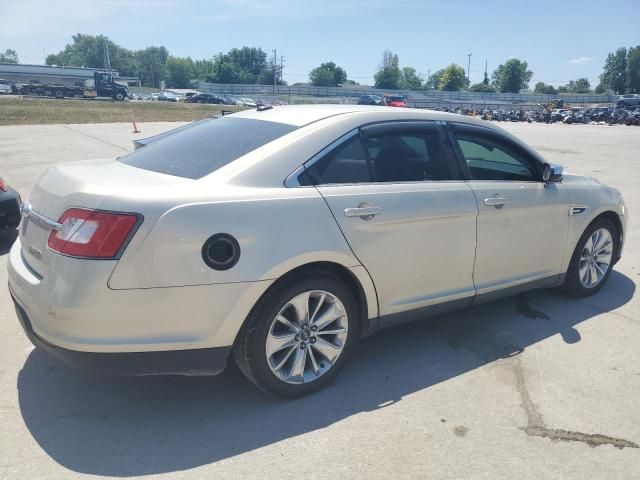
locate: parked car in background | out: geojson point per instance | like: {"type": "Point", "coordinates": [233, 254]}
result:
{"type": "Point", "coordinates": [10, 204]}
{"type": "Point", "coordinates": [5, 87]}
{"type": "Point", "coordinates": [395, 101]}
{"type": "Point", "coordinates": [231, 101]}
{"type": "Point", "coordinates": [169, 97]}
{"type": "Point", "coordinates": [204, 98]}
{"type": "Point", "coordinates": [247, 102]}
{"type": "Point", "coordinates": [370, 100]}
{"type": "Point", "coordinates": [629, 101]}
{"type": "Point", "coordinates": [307, 228]}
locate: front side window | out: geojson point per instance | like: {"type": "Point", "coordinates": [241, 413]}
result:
{"type": "Point", "coordinates": [407, 157]}
{"type": "Point", "coordinates": [491, 160]}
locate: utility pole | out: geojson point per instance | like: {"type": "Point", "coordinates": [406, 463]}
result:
{"type": "Point", "coordinates": [469, 67]}
{"type": "Point", "coordinates": [485, 71]}
{"type": "Point", "coordinates": [281, 68]}
{"type": "Point", "coordinates": [275, 64]}
{"type": "Point", "coordinates": [106, 56]}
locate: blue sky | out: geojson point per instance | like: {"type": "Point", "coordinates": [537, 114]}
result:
{"type": "Point", "coordinates": [561, 40]}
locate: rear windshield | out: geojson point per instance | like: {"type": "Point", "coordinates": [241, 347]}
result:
{"type": "Point", "coordinates": [203, 148]}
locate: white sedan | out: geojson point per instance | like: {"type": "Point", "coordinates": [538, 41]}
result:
{"type": "Point", "coordinates": [279, 236]}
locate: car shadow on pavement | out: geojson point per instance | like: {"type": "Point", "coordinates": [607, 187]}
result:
{"type": "Point", "coordinates": [147, 425]}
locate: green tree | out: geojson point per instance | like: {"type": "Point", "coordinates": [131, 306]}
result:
{"type": "Point", "coordinates": [389, 74]}
{"type": "Point", "coordinates": [152, 65]}
{"type": "Point", "coordinates": [9, 56]}
{"type": "Point", "coordinates": [542, 87]}
{"type": "Point", "coordinates": [615, 71]}
{"type": "Point", "coordinates": [433, 81]}
{"type": "Point", "coordinates": [246, 65]}
{"type": "Point", "coordinates": [411, 80]}
{"type": "Point", "coordinates": [601, 88]}
{"type": "Point", "coordinates": [322, 77]}
{"type": "Point", "coordinates": [327, 75]}
{"type": "Point", "coordinates": [580, 85]}
{"type": "Point", "coordinates": [202, 69]}
{"type": "Point", "coordinates": [633, 70]}
{"type": "Point", "coordinates": [482, 87]}
{"type": "Point", "coordinates": [250, 62]}
{"type": "Point", "coordinates": [454, 78]}
{"type": "Point", "coordinates": [179, 72]}
{"type": "Point", "coordinates": [512, 76]}
{"type": "Point", "coordinates": [90, 51]}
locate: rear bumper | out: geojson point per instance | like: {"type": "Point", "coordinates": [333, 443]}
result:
{"type": "Point", "coordinates": [202, 361]}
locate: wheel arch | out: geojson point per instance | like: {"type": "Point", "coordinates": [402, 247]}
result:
{"type": "Point", "coordinates": [614, 218]}
{"type": "Point", "coordinates": [357, 278]}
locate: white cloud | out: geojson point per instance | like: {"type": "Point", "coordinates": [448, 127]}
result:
{"type": "Point", "coordinates": [581, 60]}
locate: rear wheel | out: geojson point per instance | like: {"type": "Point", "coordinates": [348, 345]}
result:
{"type": "Point", "coordinates": [298, 335]}
{"type": "Point", "coordinates": [592, 260]}
{"type": "Point", "coordinates": [58, 94]}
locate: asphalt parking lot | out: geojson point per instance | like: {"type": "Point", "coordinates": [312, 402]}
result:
{"type": "Point", "coordinates": [539, 386]}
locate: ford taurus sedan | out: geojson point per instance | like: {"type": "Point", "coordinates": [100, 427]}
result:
{"type": "Point", "coordinates": [279, 237]}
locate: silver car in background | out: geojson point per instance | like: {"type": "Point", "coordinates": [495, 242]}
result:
{"type": "Point", "coordinates": [279, 236]}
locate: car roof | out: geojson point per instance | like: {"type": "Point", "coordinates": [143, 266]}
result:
{"type": "Point", "coordinates": [301, 115]}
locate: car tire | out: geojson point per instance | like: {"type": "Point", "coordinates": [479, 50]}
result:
{"type": "Point", "coordinates": [251, 349]}
{"type": "Point", "coordinates": [58, 94]}
{"type": "Point", "coordinates": [582, 259]}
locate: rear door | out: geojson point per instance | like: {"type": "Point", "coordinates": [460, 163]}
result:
{"type": "Point", "coordinates": [522, 221]}
{"type": "Point", "coordinates": [391, 191]}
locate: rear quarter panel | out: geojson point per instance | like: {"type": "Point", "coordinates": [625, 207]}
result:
{"type": "Point", "coordinates": [277, 230]}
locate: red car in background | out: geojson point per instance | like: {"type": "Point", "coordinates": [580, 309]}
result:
{"type": "Point", "coordinates": [395, 101]}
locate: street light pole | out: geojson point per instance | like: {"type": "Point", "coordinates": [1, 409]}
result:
{"type": "Point", "coordinates": [469, 67]}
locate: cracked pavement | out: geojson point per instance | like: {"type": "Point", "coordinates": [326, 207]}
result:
{"type": "Point", "coordinates": [535, 386]}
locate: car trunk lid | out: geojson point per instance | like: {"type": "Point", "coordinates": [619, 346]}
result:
{"type": "Point", "coordinates": [79, 184]}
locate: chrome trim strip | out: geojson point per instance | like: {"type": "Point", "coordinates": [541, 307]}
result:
{"type": "Point", "coordinates": [28, 212]}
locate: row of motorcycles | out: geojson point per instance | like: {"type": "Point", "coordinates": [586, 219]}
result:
{"type": "Point", "coordinates": [597, 115]}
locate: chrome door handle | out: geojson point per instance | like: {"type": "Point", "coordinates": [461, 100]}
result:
{"type": "Point", "coordinates": [496, 201]}
{"type": "Point", "coordinates": [364, 212]}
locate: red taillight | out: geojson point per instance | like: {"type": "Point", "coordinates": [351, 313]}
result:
{"type": "Point", "coordinates": [3, 185]}
{"type": "Point", "coordinates": [92, 234]}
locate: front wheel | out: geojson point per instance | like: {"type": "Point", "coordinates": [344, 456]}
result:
{"type": "Point", "coordinates": [119, 96]}
{"type": "Point", "coordinates": [592, 260]}
{"type": "Point", "coordinates": [298, 335]}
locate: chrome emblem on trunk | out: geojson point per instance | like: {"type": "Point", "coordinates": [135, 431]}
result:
{"type": "Point", "coordinates": [34, 251]}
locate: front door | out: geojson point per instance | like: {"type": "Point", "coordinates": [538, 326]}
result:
{"type": "Point", "coordinates": [522, 221]}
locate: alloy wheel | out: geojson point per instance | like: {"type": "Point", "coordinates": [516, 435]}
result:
{"type": "Point", "coordinates": [595, 258]}
{"type": "Point", "coordinates": [306, 337]}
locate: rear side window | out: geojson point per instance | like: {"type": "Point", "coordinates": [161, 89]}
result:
{"type": "Point", "coordinates": [407, 157]}
{"type": "Point", "coordinates": [202, 149]}
{"type": "Point", "coordinates": [345, 164]}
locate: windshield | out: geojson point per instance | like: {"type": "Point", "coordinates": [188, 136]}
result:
{"type": "Point", "coordinates": [204, 148]}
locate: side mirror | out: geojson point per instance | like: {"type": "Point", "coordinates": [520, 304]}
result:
{"type": "Point", "coordinates": [552, 173]}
